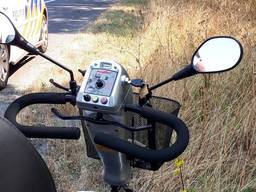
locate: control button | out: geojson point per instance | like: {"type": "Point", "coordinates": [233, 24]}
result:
{"type": "Point", "coordinates": [99, 84]}
{"type": "Point", "coordinates": [104, 100]}
{"type": "Point", "coordinates": [95, 99]}
{"type": "Point", "coordinates": [87, 98]}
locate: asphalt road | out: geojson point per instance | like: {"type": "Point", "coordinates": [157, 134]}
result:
{"type": "Point", "coordinates": [73, 15]}
{"type": "Point", "coordinates": [66, 19]}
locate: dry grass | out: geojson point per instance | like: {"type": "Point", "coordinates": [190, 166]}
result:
{"type": "Point", "coordinates": [219, 110]}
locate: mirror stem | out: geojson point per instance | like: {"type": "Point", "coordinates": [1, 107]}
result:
{"type": "Point", "coordinates": [58, 64]}
{"type": "Point", "coordinates": [185, 72]}
{"type": "Point", "coordinates": [160, 84]}
{"type": "Point", "coordinates": [72, 83]}
{"type": "Point", "coordinates": [21, 42]}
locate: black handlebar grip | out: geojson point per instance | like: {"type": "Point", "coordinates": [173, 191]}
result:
{"type": "Point", "coordinates": [50, 132]}
{"type": "Point", "coordinates": [36, 131]}
{"type": "Point", "coordinates": [150, 155]}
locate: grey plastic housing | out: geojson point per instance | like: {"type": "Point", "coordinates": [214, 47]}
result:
{"type": "Point", "coordinates": [119, 88]}
{"type": "Point", "coordinates": [116, 167]}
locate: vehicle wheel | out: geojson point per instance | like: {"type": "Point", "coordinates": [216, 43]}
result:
{"type": "Point", "coordinates": [44, 35]}
{"type": "Point", "coordinates": [4, 65]}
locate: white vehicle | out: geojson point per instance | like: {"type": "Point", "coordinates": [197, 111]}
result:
{"type": "Point", "coordinates": [31, 19]}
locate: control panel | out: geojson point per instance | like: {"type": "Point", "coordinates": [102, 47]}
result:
{"type": "Point", "coordinates": [101, 82]}
{"type": "Point", "coordinates": [103, 88]}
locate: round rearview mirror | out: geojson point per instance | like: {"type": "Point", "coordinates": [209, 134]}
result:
{"type": "Point", "coordinates": [217, 54]}
{"type": "Point", "coordinates": [7, 31]}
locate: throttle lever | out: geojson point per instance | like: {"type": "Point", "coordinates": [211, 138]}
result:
{"type": "Point", "coordinates": [58, 85]}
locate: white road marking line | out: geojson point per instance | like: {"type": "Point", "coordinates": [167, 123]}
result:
{"type": "Point", "coordinates": [49, 1]}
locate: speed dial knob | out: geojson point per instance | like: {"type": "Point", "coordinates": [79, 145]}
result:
{"type": "Point", "coordinates": [100, 84]}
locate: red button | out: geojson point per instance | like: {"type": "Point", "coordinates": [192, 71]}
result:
{"type": "Point", "coordinates": [104, 100]}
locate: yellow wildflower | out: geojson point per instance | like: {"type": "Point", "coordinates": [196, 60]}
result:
{"type": "Point", "coordinates": [177, 172]}
{"type": "Point", "coordinates": [179, 163]}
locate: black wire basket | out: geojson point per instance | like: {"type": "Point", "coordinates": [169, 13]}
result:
{"type": "Point", "coordinates": [158, 136]}
{"type": "Point", "coordinates": [155, 136]}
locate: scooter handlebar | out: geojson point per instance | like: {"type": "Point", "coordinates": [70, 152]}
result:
{"type": "Point", "coordinates": [41, 131]}
{"type": "Point", "coordinates": [145, 154]}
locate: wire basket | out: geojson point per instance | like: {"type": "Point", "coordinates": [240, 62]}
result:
{"type": "Point", "coordinates": [157, 137]}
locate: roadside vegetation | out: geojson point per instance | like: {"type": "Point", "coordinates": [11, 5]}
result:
{"type": "Point", "coordinates": [154, 39]}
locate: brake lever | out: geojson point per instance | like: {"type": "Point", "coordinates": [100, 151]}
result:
{"type": "Point", "coordinates": [58, 85]}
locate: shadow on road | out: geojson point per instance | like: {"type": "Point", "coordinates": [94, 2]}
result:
{"type": "Point", "coordinates": [8, 95]}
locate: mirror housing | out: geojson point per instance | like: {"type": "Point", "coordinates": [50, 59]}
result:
{"type": "Point", "coordinates": [217, 54]}
{"type": "Point", "coordinates": [7, 34]}
{"type": "Point", "coordinates": [11, 36]}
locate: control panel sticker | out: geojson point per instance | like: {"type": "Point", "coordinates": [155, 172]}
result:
{"type": "Point", "coordinates": [101, 82]}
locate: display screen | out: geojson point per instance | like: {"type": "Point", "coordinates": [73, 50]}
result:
{"type": "Point", "coordinates": [101, 82]}
{"type": "Point", "coordinates": [106, 65]}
